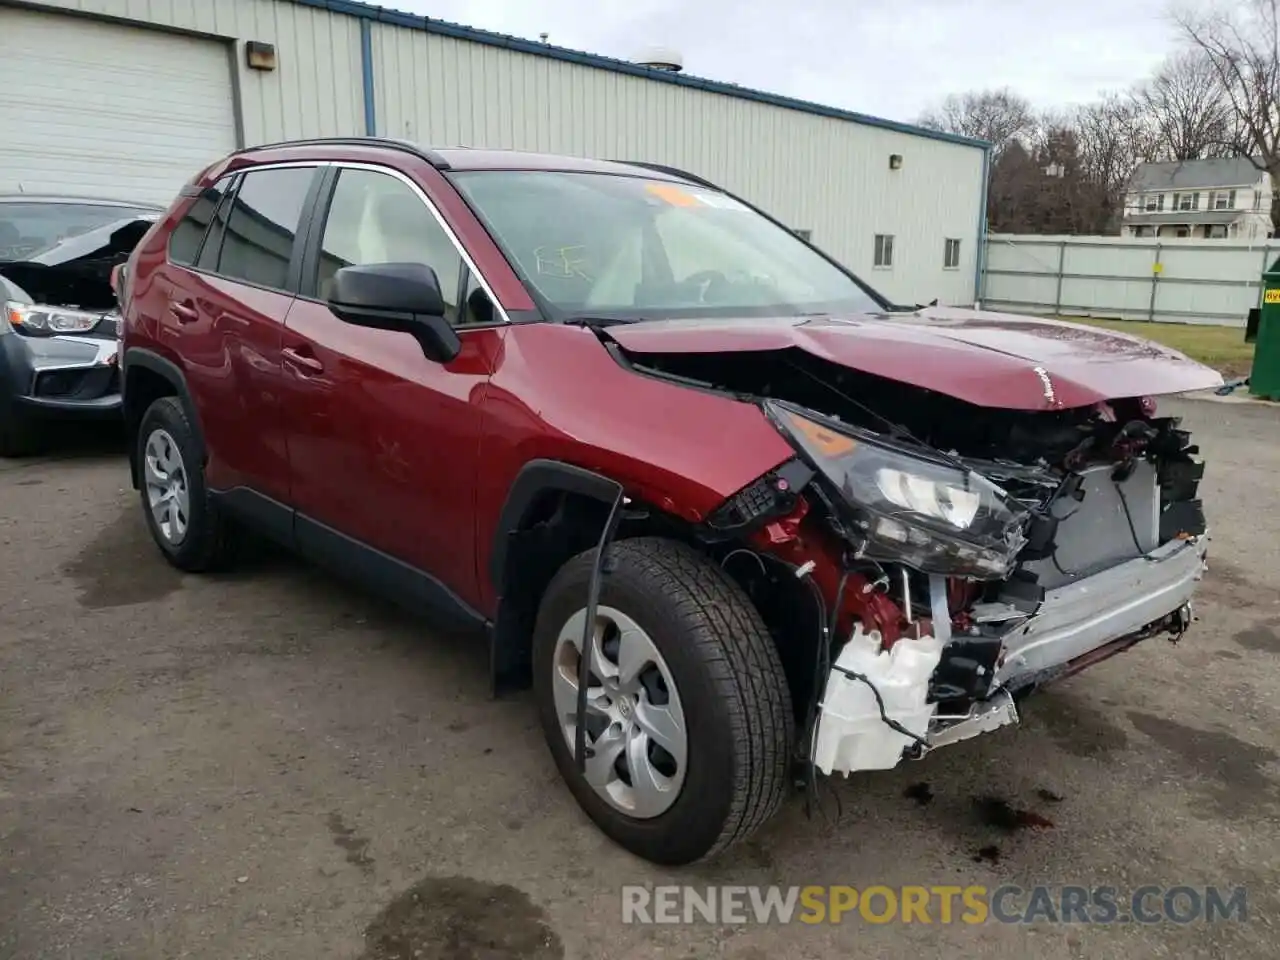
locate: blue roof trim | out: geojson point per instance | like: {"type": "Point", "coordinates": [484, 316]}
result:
{"type": "Point", "coordinates": [398, 18]}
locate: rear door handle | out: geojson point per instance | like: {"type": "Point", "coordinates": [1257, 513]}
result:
{"type": "Point", "coordinates": [306, 362]}
{"type": "Point", "coordinates": [184, 311]}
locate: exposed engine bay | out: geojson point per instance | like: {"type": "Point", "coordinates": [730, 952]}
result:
{"type": "Point", "coordinates": [962, 555]}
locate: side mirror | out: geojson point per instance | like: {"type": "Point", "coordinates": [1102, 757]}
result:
{"type": "Point", "coordinates": [404, 297]}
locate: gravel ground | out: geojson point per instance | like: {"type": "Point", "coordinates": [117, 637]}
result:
{"type": "Point", "coordinates": [273, 765]}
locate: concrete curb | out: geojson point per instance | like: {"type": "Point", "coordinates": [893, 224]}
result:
{"type": "Point", "coordinates": [1241, 395]}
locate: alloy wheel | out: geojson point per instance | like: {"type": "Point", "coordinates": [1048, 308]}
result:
{"type": "Point", "coordinates": [636, 736]}
{"type": "Point", "coordinates": [168, 492]}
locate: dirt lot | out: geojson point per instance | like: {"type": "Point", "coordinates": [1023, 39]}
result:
{"type": "Point", "coordinates": [272, 765]}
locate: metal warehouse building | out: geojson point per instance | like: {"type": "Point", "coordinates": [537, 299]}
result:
{"type": "Point", "coordinates": [129, 98]}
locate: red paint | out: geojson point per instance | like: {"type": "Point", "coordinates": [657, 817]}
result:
{"type": "Point", "coordinates": [988, 359]}
{"type": "Point", "coordinates": [357, 429]}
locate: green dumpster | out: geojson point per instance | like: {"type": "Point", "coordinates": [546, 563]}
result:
{"type": "Point", "coordinates": [1264, 379]}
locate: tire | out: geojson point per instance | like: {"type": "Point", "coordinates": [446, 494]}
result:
{"type": "Point", "coordinates": [728, 680]}
{"type": "Point", "coordinates": [207, 541]}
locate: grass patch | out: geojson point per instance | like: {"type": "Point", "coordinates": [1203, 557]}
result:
{"type": "Point", "coordinates": [1222, 348]}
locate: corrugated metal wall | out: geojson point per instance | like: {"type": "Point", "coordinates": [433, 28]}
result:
{"type": "Point", "coordinates": [316, 90]}
{"type": "Point", "coordinates": [830, 176]}
{"type": "Point", "coordinates": [823, 174]}
{"type": "Point", "coordinates": [1181, 281]}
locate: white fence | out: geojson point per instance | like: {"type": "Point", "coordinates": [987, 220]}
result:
{"type": "Point", "coordinates": [1180, 281]}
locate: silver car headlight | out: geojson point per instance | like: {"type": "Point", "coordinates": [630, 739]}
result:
{"type": "Point", "coordinates": [927, 512]}
{"type": "Point", "coordinates": [40, 320]}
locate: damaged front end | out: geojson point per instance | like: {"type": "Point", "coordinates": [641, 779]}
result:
{"type": "Point", "coordinates": [956, 575]}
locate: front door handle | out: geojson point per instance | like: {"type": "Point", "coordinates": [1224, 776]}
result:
{"type": "Point", "coordinates": [184, 311]}
{"type": "Point", "coordinates": [306, 362]}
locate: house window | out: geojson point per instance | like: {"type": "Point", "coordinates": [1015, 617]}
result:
{"type": "Point", "coordinates": [1152, 202]}
{"type": "Point", "coordinates": [951, 255]}
{"type": "Point", "coordinates": [1216, 231]}
{"type": "Point", "coordinates": [1182, 232]}
{"type": "Point", "coordinates": [1186, 201]}
{"type": "Point", "coordinates": [1222, 200]}
{"type": "Point", "coordinates": [884, 250]}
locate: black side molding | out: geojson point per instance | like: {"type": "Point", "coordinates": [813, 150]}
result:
{"type": "Point", "coordinates": [535, 478]}
{"type": "Point", "coordinates": [411, 588]}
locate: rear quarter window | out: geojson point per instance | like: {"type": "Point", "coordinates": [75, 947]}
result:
{"type": "Point", "coordinates": [188, 235]}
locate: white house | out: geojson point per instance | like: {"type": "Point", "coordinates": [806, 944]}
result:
{"type": "Point", "coordinates": [129, 98]}
{"type": "Point", "coordinates": [1221, 199]}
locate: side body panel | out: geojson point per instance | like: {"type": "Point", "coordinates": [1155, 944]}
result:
{"type": "Point", "coordinates": [557, 394]}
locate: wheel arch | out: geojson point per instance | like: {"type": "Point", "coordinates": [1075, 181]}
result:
{"type": "Point", "coordinates": [146, 376]}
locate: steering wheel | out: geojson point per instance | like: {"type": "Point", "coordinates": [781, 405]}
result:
{"type": "Point", "coordinates": [705, 280]}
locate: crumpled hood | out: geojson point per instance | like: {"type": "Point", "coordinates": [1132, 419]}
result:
{"type": "Point", "coordinates": [987, 359]}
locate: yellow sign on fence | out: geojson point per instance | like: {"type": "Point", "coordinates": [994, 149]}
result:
{"type": "Point", "coordinates": [1272, 296]}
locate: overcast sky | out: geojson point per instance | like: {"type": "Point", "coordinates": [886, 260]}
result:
{"type": "Point", "coordinates": [890, 58]}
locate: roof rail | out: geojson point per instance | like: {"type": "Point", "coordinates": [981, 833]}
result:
{"type": "Point", "coordinates": [394, 143]}
{"type": "Point", "coordinates": [672, 171]}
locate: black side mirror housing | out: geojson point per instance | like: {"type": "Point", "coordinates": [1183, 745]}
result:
{"type": "Point", "coordinates": [404, 297]}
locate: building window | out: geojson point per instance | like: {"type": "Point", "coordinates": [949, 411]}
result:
{"type": "Point", "coordinates": [1152, 202]}
{"type": "Point", "coordinates": [1222, 200]}
{"type": "Point", "coordinates": [1186, 201]}
{"type": "Point", "coordinates": [1257, 199]}
{"type": "Point", "coordinates": [951, 255]}
{"type": "Point", "coordinates": [1182, 232]}
{"type": "Point", "coordinates": [1216, 231]}
{"type": "Point", "coordinates": [1142, 231]}
{"type": "Point", "coordinates": [884, 250]}
{"type": "Point", "coordinates": [805, 235]}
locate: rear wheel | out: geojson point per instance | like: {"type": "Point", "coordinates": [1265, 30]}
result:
{"type": "Point", "coordinates": [184, 521]}
{"type": "Point", "coordinates": [688, 724]}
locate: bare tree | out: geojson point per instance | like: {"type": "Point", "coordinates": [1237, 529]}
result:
{"type": "Point", "coordinates": [1242, 43]}
{"type": "Point", "coordinates": [998, 116]}
{"type": "Point", "coordinates": [1112, 136]}
{"type": "Point", "coordinates": [1187, 108]}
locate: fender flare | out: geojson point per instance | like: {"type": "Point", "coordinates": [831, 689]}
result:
{"type": "Point", "coordinates": [536, 478]}
{"type": "Point", "coordinates": [144, 359]}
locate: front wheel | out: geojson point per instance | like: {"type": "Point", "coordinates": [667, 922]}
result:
{"type": "Point", "coordinates": [689, 725]}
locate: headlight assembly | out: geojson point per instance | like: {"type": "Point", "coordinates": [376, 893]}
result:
{"type": "Point", "coordinates": [926, 512]}
{"type": "Point", "coordinates": [39, 320]}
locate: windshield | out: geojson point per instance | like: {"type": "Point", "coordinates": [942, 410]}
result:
{"type": "Point", "coordinates": [600, 245]}
{"type": "Point", "coordinates": [27, 229]}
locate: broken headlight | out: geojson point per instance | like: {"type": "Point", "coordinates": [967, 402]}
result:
{"type": "Point", "coordinates": [926, 512]}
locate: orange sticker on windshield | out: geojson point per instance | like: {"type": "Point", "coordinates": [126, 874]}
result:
{"type": "Point", "coordinates": [827, 442]}
{"type": "Point", "coordinates": [673, 195]}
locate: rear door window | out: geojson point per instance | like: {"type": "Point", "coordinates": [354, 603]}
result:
{"type": "Point", "coordinates": [262, 225]}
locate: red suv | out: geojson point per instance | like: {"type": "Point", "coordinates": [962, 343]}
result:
{"type": "Point", "coordinates": [602, 406]}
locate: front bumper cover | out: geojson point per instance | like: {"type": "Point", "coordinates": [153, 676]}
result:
{"type": "Point", "coordinates": [61, 375]}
